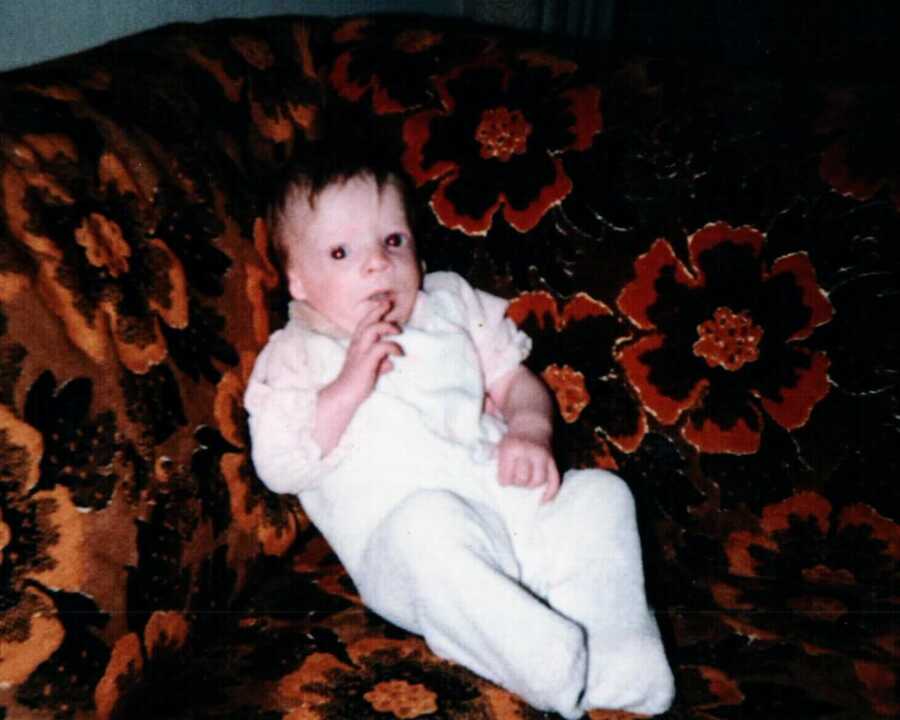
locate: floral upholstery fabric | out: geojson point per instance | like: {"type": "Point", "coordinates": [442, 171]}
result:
{"type": "Point", "coordinates": [706, 259]}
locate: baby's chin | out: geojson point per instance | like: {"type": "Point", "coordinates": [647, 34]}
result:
{"type": "Point", "coordinates": [401, 305]}
{"type": "Point", "coordinates": [398, 315]}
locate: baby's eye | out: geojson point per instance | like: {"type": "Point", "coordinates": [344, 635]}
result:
{"type": "Point", "coordinates": [338, 253]}
{"type": "Point", "coordinates": [395, 240]}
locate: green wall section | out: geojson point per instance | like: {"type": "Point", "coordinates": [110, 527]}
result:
{"type": "Point", "coordinates": [36, 30]}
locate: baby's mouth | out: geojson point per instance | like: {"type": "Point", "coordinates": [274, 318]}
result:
{"type": "Point", "coordinates": [381, 296]}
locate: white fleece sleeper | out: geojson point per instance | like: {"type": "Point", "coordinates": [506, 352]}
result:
{"type": "Point", "coordinates": [546, 600]}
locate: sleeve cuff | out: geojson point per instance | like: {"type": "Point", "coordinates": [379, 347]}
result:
{"type": "Point", "coordinates": [509, 347]}
{"type": "Point", "coordinates": [286, 457]}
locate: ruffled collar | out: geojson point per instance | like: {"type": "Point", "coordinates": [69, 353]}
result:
{"type": "Point", "coordinates": [302, 312]}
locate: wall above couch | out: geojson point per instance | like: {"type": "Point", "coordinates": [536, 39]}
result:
{"type": "Point", "coordinates": [35, 30]}
{"type": "Point", "coordinates": [833, 37]}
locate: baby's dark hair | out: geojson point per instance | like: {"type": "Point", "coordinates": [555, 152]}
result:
{"type": "Point", "coordinates": [324, 165]}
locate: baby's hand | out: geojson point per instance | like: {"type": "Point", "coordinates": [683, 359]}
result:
{"type": "Point", "coordinates": [526, 461]}
{"type": "Point", "coordinates": [368, 355]}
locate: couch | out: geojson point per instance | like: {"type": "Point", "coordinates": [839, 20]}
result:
{"type": "Point", "coordinates": [706, 257]}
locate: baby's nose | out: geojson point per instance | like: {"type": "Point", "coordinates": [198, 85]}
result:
{"type": "Point", "coordinates": [378, 260]}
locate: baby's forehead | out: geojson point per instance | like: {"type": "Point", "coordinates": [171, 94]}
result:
{"type": "Point", "coordinates": [353, 203]}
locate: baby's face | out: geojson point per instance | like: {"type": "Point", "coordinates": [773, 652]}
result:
{"type": "Point", "coordinates": [351, 251]}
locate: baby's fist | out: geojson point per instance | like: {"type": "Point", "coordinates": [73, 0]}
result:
{"type": "Point", "coordinates": [524, 462]}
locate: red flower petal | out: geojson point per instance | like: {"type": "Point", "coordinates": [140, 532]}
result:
{"type": "Point", "coordinates": [725, 690]}
{"type": "Point", "coordinates": [818, 608]}
{"type": "Point", "coordinates": [667, 410]}
{"type": "Point", "coordinates": [797, 403]}
{"type": "Point", "coordinates": [585, 105]}
{"type": "Point", "coordinates": [550, 195]}
{"type": "Point", "coordinates": [640, 294]}
{"type": "Point", "coordinates": [881, 683]}
{"type": "Point", "coordinates": [630, 443]}
{"type": "Point", "coordinates": [715, 234]}
{"type": "Point", "coordinates": [737, 550]}
{"type": "Point", "coordinates": [543, 306]}
{"type": "Point", "coordinates": [415, 41]}
{"type": "Point", "coordinates": [416, 133]}
{"type": "Point", "coordinates": [729, 597]}
{"type": "Point", "coordinates": [450, 217]}
{"type": "Point", "coordinates": [341, 81]}
{"type": "Point", "coordinates": [883, 528]}
{"type": "Point", "coordinates": [582, 306]}
{"type": "Point", "coordinates": [824, 575]}
{"type": "Point", "coordinates": [799, 265]}
{"type": "Point", "coordinates": [603, 457]}
{"type": "Point", "coordinates": [710, 437]}
{"type": "Point", "coordinates": [351, 30]}
{"type": "Point", "coordinates": [448, 214]}
{"type": "Point", "coordinates": [540, 59]}
{"type": "Point", "coordinates": [539, 303]}
{"type": "Point", "coordinates": [776, 518]}
{"type": "Point", "coordinates": [488, 61]}
{"type": "Point", "coordinates": [383, 103]}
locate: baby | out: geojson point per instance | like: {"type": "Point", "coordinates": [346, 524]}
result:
{"type": "Point", "coordinates": [398, 409]}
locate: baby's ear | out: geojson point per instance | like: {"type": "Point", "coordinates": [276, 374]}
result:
{"type": "Point", "coordinates": [295, 286]}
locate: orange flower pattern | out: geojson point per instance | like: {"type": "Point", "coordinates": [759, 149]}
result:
{"type": "Point", "coordinates": [568, 385]}
{"type": "Point", "coordinates": [753, 345]}
{"type": "Point", "coordinates": [520, 133]}
{"type": "Point", "coordinates": [502, 133]}
{"type": "Point", "coordinates": [402, 700]}
{"type": "Point", "coordinates": [129, 260]}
